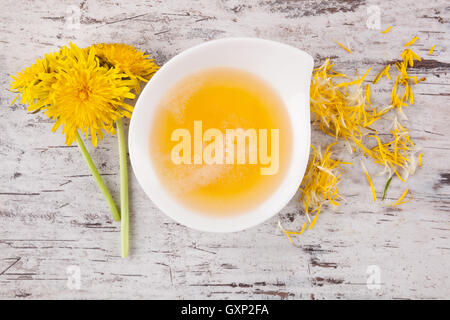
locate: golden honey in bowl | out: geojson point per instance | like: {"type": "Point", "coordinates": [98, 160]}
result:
{"type": "Point", "coordinates": [220, 141]}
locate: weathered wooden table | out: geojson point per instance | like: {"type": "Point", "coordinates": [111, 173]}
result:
{"type": "Point", "coordinates": [55, 225]}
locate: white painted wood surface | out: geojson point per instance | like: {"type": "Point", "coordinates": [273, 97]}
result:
{"type": "Point", "coordinates": [52, 215]}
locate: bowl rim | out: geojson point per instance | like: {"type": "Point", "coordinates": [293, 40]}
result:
{"type": "Point", "coordinates": [186, 216]}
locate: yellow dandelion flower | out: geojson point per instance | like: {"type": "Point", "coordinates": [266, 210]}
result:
{"type": "Point", "coordinates": [129, 60]}
{"type": "Point", "coordinates": [84, 90]}
{"type": "Point", "coordinates": [79, 94]}
{"type": "Point", "coordinates": [33, 83]}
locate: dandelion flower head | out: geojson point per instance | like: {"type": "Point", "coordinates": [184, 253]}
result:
{"type": "Point", "coordinates": [136, 64]}
{"type": "Point", "coordinates": [75, 90]}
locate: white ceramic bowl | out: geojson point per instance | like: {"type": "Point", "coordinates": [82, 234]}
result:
{"type": "Point", "coordinates": [287, 69]}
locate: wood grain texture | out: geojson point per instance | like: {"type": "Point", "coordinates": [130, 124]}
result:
{"type": "Point", "coordinates": [52, 215]}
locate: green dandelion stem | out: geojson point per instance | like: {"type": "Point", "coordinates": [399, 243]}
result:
{"type": "Point", "coordinates": [386, 187]}
{"type": "Point", "coordinates": [124, 208]}
{"type": "Point", "coordinates": [98, 178]}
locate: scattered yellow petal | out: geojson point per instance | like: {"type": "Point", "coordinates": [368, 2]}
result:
{"type": "Point", "coordinates": [314, 220]}
{"type": "Point", "coordinates": [411, 41]}
{"type": "Point", "coordinates": [399, 201]}
{"type": "Point", "coordinates": [343, 47]}
{"type": "Point", "coordinates": [289, 233]}
{"type": "Point", "coordinates": [370, 181]}
{"type": "Point", "coordinates": [319, 185]}
{"type": "Point", "coordinates": [382, 73]}
{"type": "Point", "coordinates": [431, 50]}
{"type": "Point", "coordinates": [342, 108]}
{"type": "Point", "coordinates": [387, 30]}
{"type": "Point", "coordinates": [368, 94]}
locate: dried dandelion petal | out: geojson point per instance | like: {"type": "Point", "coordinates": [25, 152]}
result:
{"type": "Point", "coordinates": [386, 30]}
{"type": "Point", "coordinates": [368, 94]}
{"type": "Point", "coordinates": [395, 155]}
{"type": "Point", "coordinates": [369, 179]}
{"type": "Point", "coordinates": [411, 42]}
{"type": "Point", "coordinates": [289, 233]}
{"type": "Point", "coordinates": [344, 47]}
{"type": "Point", "coordinates": [319, 185]}
{"type": "Point", "coordinates": [399, 201]}
{"type": "Point", "coordinates": [342, 110]}
{"type": "Point", "coordinates": [382, 73]}
{"type": "Point", "coordinates": [431, 50]}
